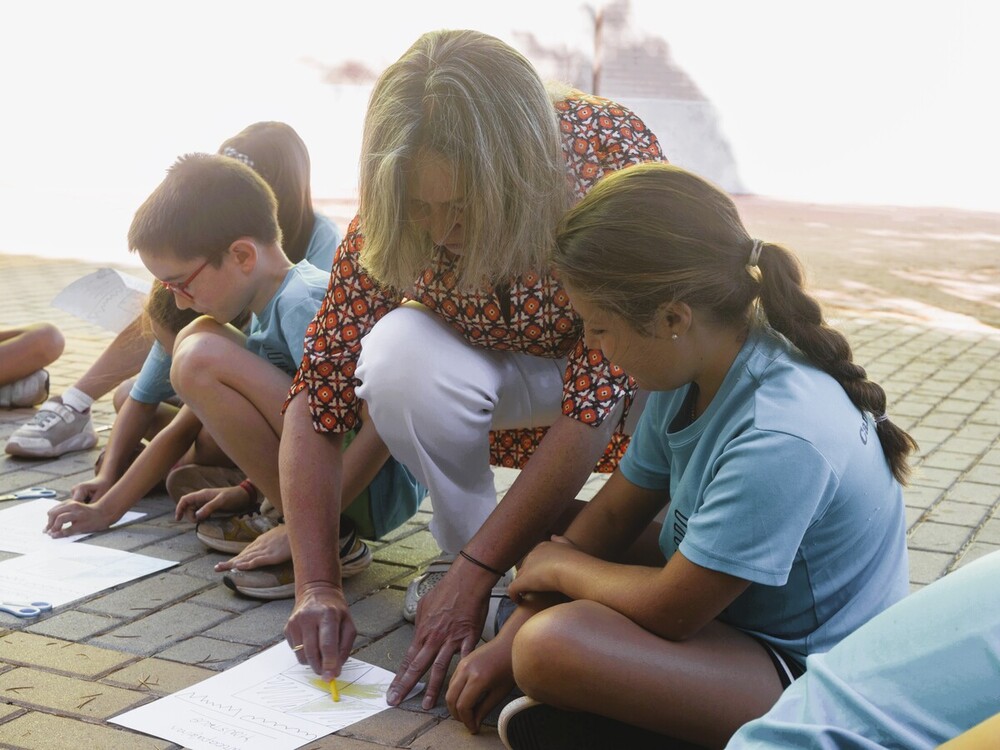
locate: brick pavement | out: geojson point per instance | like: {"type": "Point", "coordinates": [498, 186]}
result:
{"type": "Point", "coordinates": [64, 674]}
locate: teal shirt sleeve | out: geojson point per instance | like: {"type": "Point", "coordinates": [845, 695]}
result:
{"type": "Point", "coordinates": [153, 383]}
{"type": "Point", "coordinates": [323, 243]}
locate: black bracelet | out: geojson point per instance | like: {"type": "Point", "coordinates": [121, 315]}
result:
{"type": "Point", "coordinates": [482, 565]}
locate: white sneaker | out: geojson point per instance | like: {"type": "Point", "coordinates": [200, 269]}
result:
{"type": "Point", "coordinates": [54, 430]}
{"type": "Point", "coordinates": [28, 391]}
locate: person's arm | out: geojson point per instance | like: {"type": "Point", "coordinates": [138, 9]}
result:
{"type": "Point", "coordinates": [130, 425]}
{"type": "Point", "coordinates": [310, 470]}
{"type": "Point", "coordinates": [72, 517]}
{"type": "Point", "coordinates": [120, 360]}
{"type": "Point", "coordinates": [450, 617]}
{"type": "Point", "coordinates": [606, 527]}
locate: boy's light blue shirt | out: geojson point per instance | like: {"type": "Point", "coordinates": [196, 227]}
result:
{"type": "Point", "coordinates": [782, 482]}
{"type": "Point", "coordinates": [152, 385]}
{"type": "Point", "coordinates": [278, 333]}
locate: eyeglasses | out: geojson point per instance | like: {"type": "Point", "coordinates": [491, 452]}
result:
{"type": "Point", "coordinates": [182, 287]}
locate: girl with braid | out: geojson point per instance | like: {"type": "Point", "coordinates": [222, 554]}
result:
{"type": "Point", "coordinates": [774, 456]}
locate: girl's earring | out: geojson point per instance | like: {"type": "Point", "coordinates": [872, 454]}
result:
{"type": "Point", "coordinates": [673, 336]}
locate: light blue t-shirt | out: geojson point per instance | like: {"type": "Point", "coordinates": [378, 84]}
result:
{"type": "Point", "coordinates": [278, 333]}
{"type": "Point", "coordinates": [322, 243]}
{"type": "Point", "coordinates": [915, 676]}
{"type": "Point", "coordinates": [152, 385]}
{"type": "Point", "coordinates": [781, 482]}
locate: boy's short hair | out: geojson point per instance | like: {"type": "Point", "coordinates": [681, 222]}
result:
{"type": "Point", "coordinates": [204, 204]}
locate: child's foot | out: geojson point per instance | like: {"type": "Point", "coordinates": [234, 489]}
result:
{"type": "Point", "coordinates": [278, 581]}
{"type": "Point", "coordinates": [54, 430]}
{"type": "Point", "coordinates": [30, 390]}
{"type": "Point", "coordinates": [235, 533]}
{"type": "Point", "coordinates": [193, 477]}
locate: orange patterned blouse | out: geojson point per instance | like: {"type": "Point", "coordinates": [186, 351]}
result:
{"type": "Point", "coordinates": [532, 316]}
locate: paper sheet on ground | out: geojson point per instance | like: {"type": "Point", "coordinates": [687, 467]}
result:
{"type": "Point", "coordinates": [269, 702]}
{"type": "Point", "coordinates": [107, 298]}
{"type": "Point", "coordinates": [21, 526]}
{"type": "Point", "coordinates": [69, 572]}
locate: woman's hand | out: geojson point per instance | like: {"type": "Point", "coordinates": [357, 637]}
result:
{"type": "Point", "coordinates": [481, 680]}
{"type": "Point", "coordinates": [199, 505]}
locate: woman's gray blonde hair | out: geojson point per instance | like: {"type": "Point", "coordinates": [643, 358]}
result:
{"type": "Point", "coordinates": [480, 104]}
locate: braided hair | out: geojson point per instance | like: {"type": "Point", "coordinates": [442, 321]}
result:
{"type": "Point", "coordinates": [653, 234]}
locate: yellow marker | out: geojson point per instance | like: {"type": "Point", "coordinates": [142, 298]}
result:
{"type": "Point", "coordinates": [334, 692]}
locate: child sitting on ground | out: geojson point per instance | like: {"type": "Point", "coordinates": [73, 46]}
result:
{"type": "Point", "coordinates": [145, 411]}
{"type": "Point", "coordinates": [210, 234]}
{"type": "Point", "coordinates": [24, 353]}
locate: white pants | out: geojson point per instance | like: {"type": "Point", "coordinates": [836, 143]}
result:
{"type": "Point", "coordinates": [433, 398]}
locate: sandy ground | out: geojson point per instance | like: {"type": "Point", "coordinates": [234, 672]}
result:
{"type": "Point", "coordinates": [937, 266]}
{"type": "Point", "coordinates": [930, 265]}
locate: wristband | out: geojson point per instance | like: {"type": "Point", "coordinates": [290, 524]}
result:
{"type": "Point", "coordinates": [249, 488]}
{"type": "Point", "coordinates": [482, 565]}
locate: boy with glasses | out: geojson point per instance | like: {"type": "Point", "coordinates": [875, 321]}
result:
{"type": "Point", "coordinates": [209, 233]}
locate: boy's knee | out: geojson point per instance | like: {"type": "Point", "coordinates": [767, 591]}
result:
{"type": "Point", "coordinates": [49, 341]}
{"type": "Point", "coordinates": [195, 359]}
{"type": "Point", "coordinates": [122, 393]}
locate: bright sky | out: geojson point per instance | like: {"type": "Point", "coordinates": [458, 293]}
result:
{"type": "Point", "coordinates": [884, 101]}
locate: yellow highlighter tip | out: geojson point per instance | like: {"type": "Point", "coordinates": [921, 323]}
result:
{"type": "Point", "coordinates": [334, 692]}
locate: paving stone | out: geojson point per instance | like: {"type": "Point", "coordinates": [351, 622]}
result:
{"type": "Point", "coordinates": [984, 474]}
{"type": "Point", "coordinates": [340, 742]}
{"type": "Point", "coordinates": [939, 537]}
{"type": "Point", "coordinates": [454, 736]}
{"type": "Point", "coordinates": [73, 625]}
{"type": "Point", "coordinates": [157, 676]}
{"type": "Point", "coordinates": [393, 727]}
{"type": "Point", "coordinates": [990, 532]}
{"type": "Point", "coordinates": [377, 576]}
{"type": "Point", "coordinates": [942, 459]}
{"type": "Point", "coordinates": [220, 597]}
{"type": "Point", "coordinates": [35, 731]}
{"type": "Point", "coordinates": [129, 538]}
{"type": "Point", "coordinates": [916, 496]}
{"type": "Point", "coordinates": [973, 492]}
{"type": "Point", "coordinates": [156, 631]}
{"type": "Point", "coordinates": [961, 514]}
{"type": "Point", "coordinates": [47, 691]}
{"type": "Point", "coordinates": [203, 567]}
{"type": "Point", "coordinates": [181, 547]}
{"type": "Point", "coordinates": [388, 652]}
{"type": "Point", "coordinates": [976, 550]}
{"type": "Point", "coordinates": [414, 550]}
{"type": "Point", "coordinates": [209, 653]}
{"type": "Point", "coordinates": [375, 615]}
{"type": "Point", "coordinates": [931, 477]}
{"type": "Point", "coordinates": [259, 627]}
{"type": "Point", "coordinates": [28, 649]}
{"type": "Point", "coordinates": [155, 593]}
{"type": "Point", "coordinates": [927, 567]}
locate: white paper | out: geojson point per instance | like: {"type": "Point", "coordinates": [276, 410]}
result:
{"type": "Point", "coordinates": [106, 297]}
{"type": "Point", "coordinates": [21, 526]}
{"type": "Point", "coordinates": [269, 702]}
{"type": "Point", "coordinates": [68, 572]}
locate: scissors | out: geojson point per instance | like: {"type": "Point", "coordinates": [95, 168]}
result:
{"type": "Point", "coordinates": [29, 494]}
{"type": "Point", "coordinates": [25, 610]}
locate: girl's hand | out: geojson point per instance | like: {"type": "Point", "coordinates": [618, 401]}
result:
{"type": "Point", "coordinates": [71, 517]}
{"type": "Point", "coordinates": [481, 680]}
{"type": "Point", "coordinates": [199, 505]}
{"type": "Point", "coordinates": [270, 548]}
{"type": "Point", "coordinates": [92, 490]}
{"type": "Point", "coordinates": [542, 568]}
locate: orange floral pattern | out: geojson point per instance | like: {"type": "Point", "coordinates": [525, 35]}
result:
{"type": "Point", "coordinates": [532, 316]}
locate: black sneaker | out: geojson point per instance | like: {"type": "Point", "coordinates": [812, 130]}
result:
{"type": "Point", "coordinates": [526, 724]}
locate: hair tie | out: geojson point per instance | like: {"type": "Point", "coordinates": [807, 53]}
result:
{"type": "Point", "coordinates": [755, 253]}
{"type": "Point", "coordinates": [232, 153]}
{"type": "Point", "coordinates": [880, 418]}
